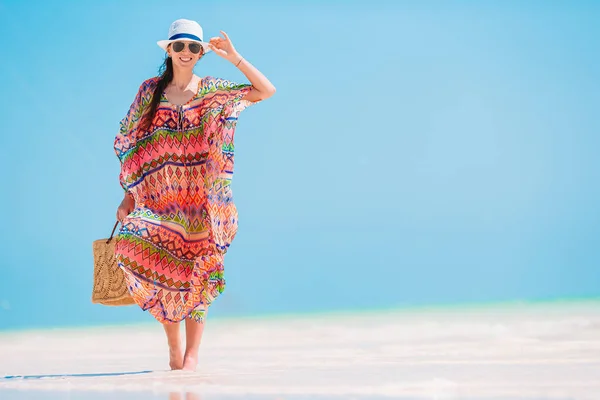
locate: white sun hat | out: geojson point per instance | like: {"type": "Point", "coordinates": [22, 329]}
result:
{"type": "Point", "coordinates": [184, 29]}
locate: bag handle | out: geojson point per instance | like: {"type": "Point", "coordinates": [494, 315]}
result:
{"type": "Point", "coordinates": [113, 232]}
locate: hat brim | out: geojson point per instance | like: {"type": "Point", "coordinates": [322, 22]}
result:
{"type": "Point", "coordinates": [163, 44]}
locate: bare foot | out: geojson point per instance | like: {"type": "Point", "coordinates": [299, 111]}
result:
{"type": "Point", "coordinates": [190, 361]}
{"type": "Point", "coordinates": [175, 358]}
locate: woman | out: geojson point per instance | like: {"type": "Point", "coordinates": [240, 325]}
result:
{"type": "Point", "coordinates": [175, 146]}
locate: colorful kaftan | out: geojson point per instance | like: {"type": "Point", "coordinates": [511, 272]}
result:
{"type": "Point", "coordinates": [171, 247]}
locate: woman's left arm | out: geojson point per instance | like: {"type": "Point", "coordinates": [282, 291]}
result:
{"type": "Point", "coordinates": [262, 88]}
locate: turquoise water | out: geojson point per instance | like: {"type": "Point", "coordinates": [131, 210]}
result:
{"type": "Point", "coordinates": [414, 154]}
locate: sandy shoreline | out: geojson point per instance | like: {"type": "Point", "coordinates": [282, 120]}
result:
{"type": "Point", "coordinates": [524, 352]}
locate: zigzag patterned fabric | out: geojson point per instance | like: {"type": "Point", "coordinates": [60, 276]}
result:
{"type": "Point", "coordinates": [171, 247]}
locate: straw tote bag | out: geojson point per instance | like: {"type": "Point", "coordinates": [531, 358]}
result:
{"type": "Point", "coordinates": [110, 287]}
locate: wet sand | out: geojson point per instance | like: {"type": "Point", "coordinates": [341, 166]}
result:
{"type": "Point", "coordinates": [547, 351]}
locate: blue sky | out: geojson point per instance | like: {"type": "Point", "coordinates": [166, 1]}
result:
{"type": "Point", "coordinates": [415, 152]}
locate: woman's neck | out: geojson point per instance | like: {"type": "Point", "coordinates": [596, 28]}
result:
{"type": "Point", "coordinates": [182, 78]}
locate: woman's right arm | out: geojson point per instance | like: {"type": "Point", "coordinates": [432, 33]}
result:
{"type": "Point", "coordinates": [124, 141]}
{"type": "Point", "coordinates": [126, 207]}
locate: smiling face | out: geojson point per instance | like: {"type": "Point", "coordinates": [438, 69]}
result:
{"type": "Point", "coordinates": [185, 54]}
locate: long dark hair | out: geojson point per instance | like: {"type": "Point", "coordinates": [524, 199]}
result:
{"type": "Point", "coordinates": [166, 76]}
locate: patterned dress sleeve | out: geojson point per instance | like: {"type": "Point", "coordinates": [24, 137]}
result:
{"type": "Point", "coordinates": [227, 96]}
{"type": "Point", "coordinates": [126, 139]}
{"type": "Point", "coordinates": [222, 104]}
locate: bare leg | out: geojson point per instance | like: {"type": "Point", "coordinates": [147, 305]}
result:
{"type": "Point", "coordinates": [174, 340]}
{"type": "Point", "coordinates": [193, 337]}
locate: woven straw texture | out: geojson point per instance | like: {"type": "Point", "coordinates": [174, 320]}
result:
{"type": "Point", "coordinates": [110, 287]}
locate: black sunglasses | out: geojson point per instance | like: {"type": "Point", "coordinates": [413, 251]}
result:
{"type": "Point", "coordinates": [179, 46]}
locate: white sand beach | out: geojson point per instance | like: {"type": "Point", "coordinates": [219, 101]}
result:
{"type": "Point", "coordinates": [544, 351]}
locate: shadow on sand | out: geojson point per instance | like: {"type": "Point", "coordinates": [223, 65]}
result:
{"type": "Point", "coordinates": [3, 378]}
